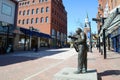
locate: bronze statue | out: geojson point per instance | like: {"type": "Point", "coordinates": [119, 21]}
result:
{"type": "Point", "coordinates": [80, 46]}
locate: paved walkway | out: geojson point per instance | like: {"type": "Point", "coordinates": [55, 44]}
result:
{"type": "Point", "coordinates": [44, 64]}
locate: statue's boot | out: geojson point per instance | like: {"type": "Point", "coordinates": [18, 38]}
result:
{"type": "Point", "coordinates": [78, 72]}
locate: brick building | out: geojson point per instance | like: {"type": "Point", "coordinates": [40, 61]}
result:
{"type": "Point", "coordinates": [108, 21]}
{"type": "Point", "coordinates": [45, 16]}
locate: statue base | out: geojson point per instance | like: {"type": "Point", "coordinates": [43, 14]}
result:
{"type": "Point", "coordinates": [68, 74]}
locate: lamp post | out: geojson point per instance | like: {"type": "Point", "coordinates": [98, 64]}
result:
{"type": "Point", "coordinates": [90, 38]}
{"type": "Point", "coordinates": [104, 41]}
{"type": "Point", "coordinates": [30, 37]}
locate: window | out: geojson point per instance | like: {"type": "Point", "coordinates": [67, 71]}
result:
{"type": "Point", "coordinates": [19, 21]}
{"type": "Point", "coordinates": [23, 3]}
{"type": "Point", "coordinates": [28, 2]}
{"type": "Point", "coordinates": [46, 0]}
{"type": "Point", "coordinates": [37, 10]}
{"type": "Point", "coordinates": [6, 9]}
{"type": "Point", "coordinates": [33, 1]}
{"type": "Point", "coordinates": [42, 20]}
{"type": "Point", "coordinates": [32, 11]}
{"type": "Point", "coordinates": [23, 21]}
{"type": "Point", "coordinates": [28, 12]}
{"type": "Point", "coordinates": [23, 12]}
{"type": "Point", "coordinates": [19, 4]}
{"type": "Point", "coordinates": [20, 12]}
{"type": "Point", "coordinates": [32, 21]}
{"type": "Point", "coordinates": [37, 20]}
{"type": "Point", "coordinates": [41, 1]}
{"type": "Point", "coordinates": [46, 20]}
{"type": "Point", "coordinates": [47, 9]}
{"type": "Point", "coordinates": [27, 21]}
{"type": "Point", "coordinates": [42, 10]}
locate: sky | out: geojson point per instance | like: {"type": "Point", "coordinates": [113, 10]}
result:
{"type": "Point", "coordinates": [77, 11]}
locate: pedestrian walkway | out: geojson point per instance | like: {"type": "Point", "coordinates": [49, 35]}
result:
{"type": "Point", "coordinates": [43, 65]}
{"type": "Point", "coordinates": [108, 69]}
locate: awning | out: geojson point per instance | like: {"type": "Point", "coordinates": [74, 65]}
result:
{"type": "Point", "coordinates": [114, 25]}
{"type": "Point", "coordinates": [108, 21]}
{"type": "Point", "coordinates": [34, 33]}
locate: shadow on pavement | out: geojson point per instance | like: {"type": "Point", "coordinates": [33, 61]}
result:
{"type": "Point", "coordinates": [13, 58]}
{"type": "Point", "coordinates": [7, 60]}
{"type": "Point", "coordinates": [108, 72]}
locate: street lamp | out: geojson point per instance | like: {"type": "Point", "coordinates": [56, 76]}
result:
{"type": "Point", "coordinates": [104, 41]}
{"type": "Point", "coordinates": [90, 38]}
{"type": "Point", "coordinates": [30, 36]}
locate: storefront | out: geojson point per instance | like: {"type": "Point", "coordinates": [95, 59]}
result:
{"type": "Point", "coordinates": [6, 37]}
{"type": "Point", "coordinates": [28, 40]}
{"type": "Point", "coordinates": [116, 40]}
{"type": "Point", "coordinates": [8, 18]}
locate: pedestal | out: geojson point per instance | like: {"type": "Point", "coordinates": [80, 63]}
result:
{"type": "Point", "coordinates": [68, 74]}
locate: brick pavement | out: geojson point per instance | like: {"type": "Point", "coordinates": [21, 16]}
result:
{"type": "Point", "coordinates": [108, 69]}
{"type": "Point", "coordinates": [44, 66]}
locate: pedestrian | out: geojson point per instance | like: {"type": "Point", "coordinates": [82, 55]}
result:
{"type": "Point", "coordinates": [36, 48]}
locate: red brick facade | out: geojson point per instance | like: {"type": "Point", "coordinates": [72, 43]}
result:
{"type": "Point", "coordinates": [102, 6]}
{"type": "Point", "coordinates": [47, 16]}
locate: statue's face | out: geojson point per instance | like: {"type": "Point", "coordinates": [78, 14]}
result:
{"type": "Point", "coordinates": [78, 31]}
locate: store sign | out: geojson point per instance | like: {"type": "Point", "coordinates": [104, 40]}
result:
{"type": "Point", "coordinates": [6, 9]}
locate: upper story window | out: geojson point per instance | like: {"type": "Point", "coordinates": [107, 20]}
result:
{"type": "Point", "coordinates": [24, 12]}
{"type": "Point", "coordinates": [47, 9]}
{"type": "Point", "coordinates": [20, 4]}
{"type": "Point", "coordinates": [20, 12]}
{"type": "Point", "coordinates": [46, 20]}
{"type": "Point", "coordinates": [41, 1]}
{"type": "Point", "coordinates": [27, 21]}
{"type": "Point", "coordinates": [37, 20]}
{"type": "Point", "coordinates": [28, 2]}
{"type": "Point", "coordinates": [28, 12]}
{"type": "Point", "coordinates": [33, 1]}
{"type": "Point", "coordinates": [42, 20]}
{"type": "Point", "coordinates": [37, 10]}
{"type": "Point", "coordinates": [42, 10]}
{"type": "Point", "coordinates": [23, 22]}
{"type": "Point", "coordinates": [23, 3]}
{"type": "Point", "coordinates": [32, 11]}
{"type": "Point", "coordinates": [46, 0]}
{"type": "Point", "coordinates": [32, 21]}
{"type": "Point", "coordinates": [19, 21]}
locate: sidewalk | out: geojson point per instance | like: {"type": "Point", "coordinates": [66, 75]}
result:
{"type": "Point", "coordinates": [108, 69]}
{"type": "Point", "coordinates": [43, 65]}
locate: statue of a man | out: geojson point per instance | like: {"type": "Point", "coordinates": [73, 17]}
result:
{"type": "Point", "coordinates": [82, 50]}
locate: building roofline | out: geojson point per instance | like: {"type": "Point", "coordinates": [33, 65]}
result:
{"type": "Point", "coordinates": [15, 1]}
